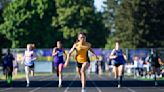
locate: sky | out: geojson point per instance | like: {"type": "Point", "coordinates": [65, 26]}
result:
{"type": "Point", "coordinates": [98, 4]}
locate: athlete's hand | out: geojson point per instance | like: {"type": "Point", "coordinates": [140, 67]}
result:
{"type": "Point", "coordinates": [112, 62]}
{"type": "Point", "coordinates": [162, 63]}
{"type": "Point", "coordinates": [114, 56]}
{"type": "Point", "coordinates": [65, 64]}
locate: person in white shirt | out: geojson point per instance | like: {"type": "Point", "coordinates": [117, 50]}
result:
{"type": "Point", "coordinates": [29, 58]}
{"type": "Point", "coordinates": [148, 67]}
{"type": "Point", "coordinates": [138, 66]}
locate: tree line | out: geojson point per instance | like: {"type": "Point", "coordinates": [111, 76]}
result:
{"type": "Point", "coordinates": [137, 23]}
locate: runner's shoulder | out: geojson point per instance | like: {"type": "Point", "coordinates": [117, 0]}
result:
{"type": "Point", "coordinates": [88, 44]}
{"type": "Point", "coordinates": [75, 44]}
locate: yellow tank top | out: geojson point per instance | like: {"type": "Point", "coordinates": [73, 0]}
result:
{"type": "Point", "coordinates": [82, 50]}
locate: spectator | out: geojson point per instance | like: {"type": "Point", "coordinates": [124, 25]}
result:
{"type": "Point", "coordinates": [138, 66]}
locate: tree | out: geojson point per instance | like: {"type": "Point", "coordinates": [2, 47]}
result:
{"type": "Point", "coordinates": [118, 17]}
{"type": "Point", "coordinates": [3, 39]}
{"type": "Point", "coordinates": [74, 16]}
{"type": "Point", "coordinates": [29, 21]}
{"type": "Point", "coordinates": [149, 22]}
{"type": "Point", "coordinates": [43, 22]}
{"type": "Point", "coordinates": [135, 22]}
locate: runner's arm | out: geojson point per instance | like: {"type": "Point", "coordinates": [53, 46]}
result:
{"type": "Point", "coordinates": [125, 57]}
{"type": "Point", "coordinates": [112, 56]}
{"type": "Point", "coordinates": [160, 61]}
{"type": "Point", "coordinates": [54, 52]}
{"type": "Point", "coordinates": [69, 55]}
{"type": "Point", "coordinates": [35, 56]}
{"type": "Point", "coordinates": [23, 59]}
{"type": "Point", "coordinates": [91, 50]}
{"type": "Point", "coordinates": [65, 55]}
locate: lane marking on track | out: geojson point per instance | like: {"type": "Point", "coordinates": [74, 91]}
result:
{"type": "Point", "coordinates": [20, 85]}
{"type": "Point", "coordinates": [35, 89]}
{"type": "Point", "coordinates": [5, 89]}
{"type": "Point", "coordinates": [98, 89]}
{"type": "Point", "coordinates": [161, 89]}
{"type": "Point", "coordinates": [70, 84]}
{"type": "Point", "coordinates": [40, 87]}
{"type": "Point", "coordinates": [40, 79]}
{"type": "Point", "coordinates": [45, 84]}
{"type": "Point", "coordinates": [129, 89]}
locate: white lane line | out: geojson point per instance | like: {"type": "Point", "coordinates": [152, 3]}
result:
{"type": "Point", "coordinates": [44, 85]}
{"type": "Point", "coordinates": [98, 89]}
{"type": "Point", "coordinates": [12, 87]}
{"type": "Point", "coordinates": [35, 89]}
{"type": "Point", "coordinates": [161, 89]}
{"type": "Point", "coordinates": [52, 82]}
{"type": "Point", "coordinates": [70, 84]}
{"type": "Point", "coordinates": [40, 87]}
{"type": "Point", "coordinates": [129, 89]}
{"type": "Point", "coordinates": [5, 89]}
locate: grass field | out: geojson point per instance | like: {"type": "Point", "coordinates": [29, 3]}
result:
{"type": "Point", "coordinates": [150, 79]}
{"type": "Point", "coordinates": [22, 75]}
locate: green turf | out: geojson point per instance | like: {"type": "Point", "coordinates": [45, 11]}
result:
{"type": "Point", "coordinates": [150, 79]}
{"type": "Point", "coordinates": [22, 75]}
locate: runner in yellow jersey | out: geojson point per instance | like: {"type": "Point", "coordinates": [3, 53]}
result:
{"type": "Point", "coordinates": [82, 47]}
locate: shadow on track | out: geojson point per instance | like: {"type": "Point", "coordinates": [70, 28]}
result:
{"type": "Point", "coordinates": [76, 83]}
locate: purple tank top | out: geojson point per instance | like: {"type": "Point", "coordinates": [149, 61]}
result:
{"type": "Point", "coordinates": [59, 56]}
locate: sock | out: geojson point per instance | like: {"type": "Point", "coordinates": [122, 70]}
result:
{"type": "Point", "coordinates": [57, 72]}
{"type": "Point", "coordinates": [120, 80]}
{"type": "Point", "coordinates": [155, 78]}
{"type": "Point", "coordinates": [60, 81]}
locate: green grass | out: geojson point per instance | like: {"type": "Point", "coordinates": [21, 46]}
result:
{"type": "Point", "coordinates": [22, 75]}
{"type": "Point", "coordinates": [150, 79]}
